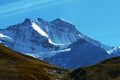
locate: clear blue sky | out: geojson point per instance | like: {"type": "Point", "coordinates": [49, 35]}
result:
{"type": "Point", "coordinates": [99, 19]}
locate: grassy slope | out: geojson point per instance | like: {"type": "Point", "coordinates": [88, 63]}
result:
{"type": "Point", "coordinates": [105, 70]}
{"type": "Point", "coordinates": [17, 66]}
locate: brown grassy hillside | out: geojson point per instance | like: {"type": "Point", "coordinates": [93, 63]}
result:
{"type": "Point", "coordinates": [105, 70]}
{"type": "Point", "coordinates": [17, 66]}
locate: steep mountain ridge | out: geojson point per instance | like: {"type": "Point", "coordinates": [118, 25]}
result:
{"type": "Point", "coordinates": [57, 32]}
{"type": "Point", "coordinates": [82, 53]}
{"type": "Point", "coordinates": [26, 39]}
{"type": "Point", "coordinates": [50, 40]}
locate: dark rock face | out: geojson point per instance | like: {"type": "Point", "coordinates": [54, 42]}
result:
{"type": "Point", "coordinates": [82, 53]}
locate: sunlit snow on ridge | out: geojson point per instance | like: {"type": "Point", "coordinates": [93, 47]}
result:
{"type": "Point", "coordinates": [64, 50]}
{"type": "Point", "coordinates": [4, 37]}
{"type": "Point", "coordinates": [43, 33]}
{"type": "Point", "coordinates": [113, 50]}
{"type": "Point", "coordinates": [48, 54]}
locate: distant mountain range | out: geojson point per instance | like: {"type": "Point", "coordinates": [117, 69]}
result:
{"type": "Point", "coordinates": [58, 42]}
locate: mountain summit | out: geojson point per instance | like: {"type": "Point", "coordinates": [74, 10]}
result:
{"type": "Point", "coordinates": [38, 37]}
{"type": "Point", "coordinates": [57, 41]}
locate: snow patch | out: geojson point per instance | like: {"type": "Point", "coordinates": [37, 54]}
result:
{"type": "Point", "coordinates": [113, 50]}
{"type": "Point", "coordinates": [6, 38]}
{"type": "Point", "coordinates": [110, 51]}
{"type": "Point", "coordinates": [119, 47]}
{"type": "Point", "coordinates": [80, 36]}
{"type": "Point", "coordinates": [33, 55]}
{"type": "Point", "coordinates": [64, 50]}
{"type": "Point", "coordinates": [39, 30]}
{"type": "Point", "coordinates": [50, 41]}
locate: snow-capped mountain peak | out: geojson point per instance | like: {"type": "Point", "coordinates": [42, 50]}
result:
{"type": "Point", "coordinates": [58, 20]}
{"type": "Point", "coordinates": [40, 36]}
{"type": "Point", "coordinates": [58, 32]}
{"type": "Point", "coordinates": [61, 23]}
{"type": "Point", "coordinates": [57, 40]}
